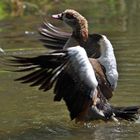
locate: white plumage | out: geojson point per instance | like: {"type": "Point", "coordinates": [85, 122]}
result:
{"type": "Point", "coordinates": [81, 65]}
{"type": "Point", "coordinates": [108, 60]}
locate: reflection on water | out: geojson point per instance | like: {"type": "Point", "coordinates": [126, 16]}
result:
{"type": "Point", "coordinates": [26, 113]}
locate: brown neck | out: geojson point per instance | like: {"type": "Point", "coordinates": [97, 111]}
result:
{"type": "Point", "coordinates": [81, 32]}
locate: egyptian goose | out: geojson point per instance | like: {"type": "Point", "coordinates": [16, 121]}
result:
{"type": "Point", "coordinates": [85, 103]}
{"type": "Point", "coordinates": [73, 79]}
{"type": "Point", "coordinates": [103, 66]}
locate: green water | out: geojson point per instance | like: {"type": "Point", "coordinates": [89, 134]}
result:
{"type": "Point", "coordinates": [29, 114]}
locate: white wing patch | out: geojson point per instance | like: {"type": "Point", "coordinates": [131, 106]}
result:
{"type": "Point", "coordinates": [108, 60]}
{"type": "Point", "coordinates": [81, 65]}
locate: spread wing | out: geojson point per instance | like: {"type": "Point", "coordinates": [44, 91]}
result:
{"type": "Point", "coordinates": [53, 37]}
{"type": "Point", "coordinates": [43, 70]}
{"type": "Point", "coordinates": [50, 70]}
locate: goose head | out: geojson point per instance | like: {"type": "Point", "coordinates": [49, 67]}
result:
{"type": "Point", "coordinates": [75, 20]}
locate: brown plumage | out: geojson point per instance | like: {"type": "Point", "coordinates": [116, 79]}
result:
{"type": "Point", "coordinates": [101, 77]}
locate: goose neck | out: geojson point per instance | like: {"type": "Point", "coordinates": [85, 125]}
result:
{"type": "Point", "coordinates": [81, 32]}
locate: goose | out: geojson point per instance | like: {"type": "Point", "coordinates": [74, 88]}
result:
{"type": "Point", "coordinates": [105, 65]}
{"type": "Point", "coordinates": [86, 103]}
{"type": "Point", "coordinates": [72, 78]}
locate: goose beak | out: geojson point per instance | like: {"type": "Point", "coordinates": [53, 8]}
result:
{"type": "Point", "coordinates": [57, 16]}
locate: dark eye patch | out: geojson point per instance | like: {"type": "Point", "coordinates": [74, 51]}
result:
{"type": "Point", "coordinates": [69, 16]}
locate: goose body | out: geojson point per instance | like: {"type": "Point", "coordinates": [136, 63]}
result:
{"type": "Point", "coordinates": [96, 46]}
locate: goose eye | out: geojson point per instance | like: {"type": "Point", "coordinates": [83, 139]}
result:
{"type": "Point", "coordinates": [69, 16]}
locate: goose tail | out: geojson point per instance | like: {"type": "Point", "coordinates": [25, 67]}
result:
{"type": "Point", "coordinates": [130, 113]}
